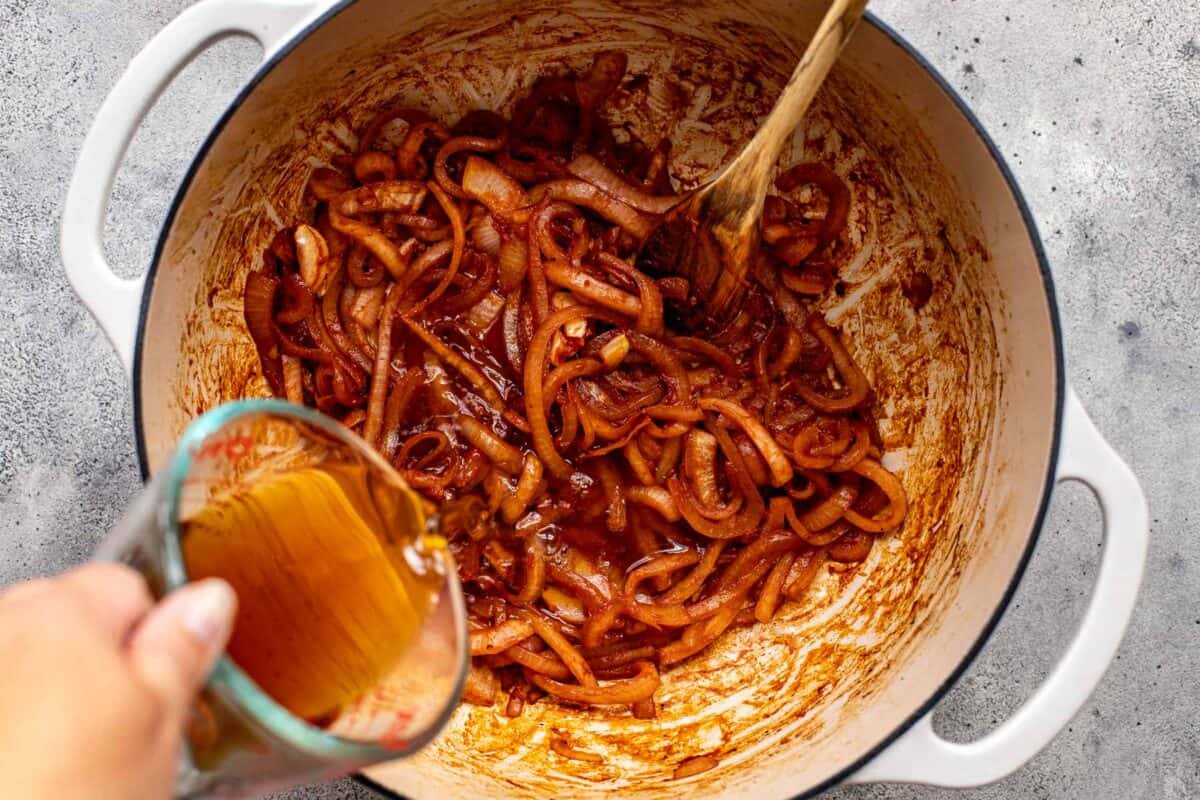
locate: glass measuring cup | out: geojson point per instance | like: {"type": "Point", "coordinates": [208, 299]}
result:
{"type": "Point", "coordinates": [242, 739]}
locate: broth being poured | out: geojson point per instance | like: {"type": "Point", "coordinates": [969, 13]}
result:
{"type": "Point", "coordinates": [330, 594]}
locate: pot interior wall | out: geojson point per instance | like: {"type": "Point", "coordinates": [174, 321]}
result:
{"type": "Point", "coordinates": [965, 385]}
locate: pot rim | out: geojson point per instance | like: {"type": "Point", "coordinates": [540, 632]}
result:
{"type": "Point", "coordinates": [1035, 241]}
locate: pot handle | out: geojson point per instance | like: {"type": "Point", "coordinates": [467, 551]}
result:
{"type": "Point", "coordinates": [112, 300]}
{"type": "Point", "coordinates": [921, 756]}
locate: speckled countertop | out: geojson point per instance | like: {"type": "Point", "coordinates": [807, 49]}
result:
{"type": "Point", "coordinates": [1096, 106]}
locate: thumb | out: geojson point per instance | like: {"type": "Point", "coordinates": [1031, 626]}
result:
{"type": "Point", "coordinates": [178, 642]}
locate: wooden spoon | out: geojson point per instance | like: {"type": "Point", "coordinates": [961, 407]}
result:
{"type": "Point", "coordinates": [711, 237]}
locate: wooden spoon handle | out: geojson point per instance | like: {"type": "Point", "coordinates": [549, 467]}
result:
{"type": "Point", "coordinates": [758, 157]}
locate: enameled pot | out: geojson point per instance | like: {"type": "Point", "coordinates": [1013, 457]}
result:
{"type": "Point", "coordinates": [975, 413]}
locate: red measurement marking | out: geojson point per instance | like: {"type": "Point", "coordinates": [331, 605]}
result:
{"type": "Point", "coordinates": [233, 448]}
{"type": "Point", "coordinates": [395, 737]}
{"type": "Point", "coordinates": [238, 448]}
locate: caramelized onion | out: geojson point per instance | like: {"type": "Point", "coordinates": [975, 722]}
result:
{"type": "Point", "coordinates": [662, 565]}
{"type": "Point", "coordinates": [592, 288]}
{"type": "Point", "coordinates": [699, 465]}
{"type": "Point", "coordinates": [831, 509]}
{"type": "Point", "coordinates": [472, 373]}
{"type": "Point", "coordinates": [257, 302]}
{"type": "Point", "coordinates": [500, 638]}
{"type": "Point", "coordinates": [589, 168]}
{"type": "Point", "coordinates": [685, 589]}
{"type": "Point", "coordinates": [857, 387]}
{"type": "Point", "coordinates": [372, 239]}
{"type": "Point", "coordinates": [513, 260]}
{"type": "Point", "coordinates": [569, 654]}
{"type": "Point", "coordinates": [459, 144]}
{"type": "Point", "coordinates": [481, 686]}
{"type": "Point", "coordinates": [534, 370]}
{"type": "Point", "coordinates": [650, 302]}
{"type": "Point", "coordinates": [612, 483]}
{"type": "Point", "coordinates": [485, 236]}
{"type": "Point", "coordinates": [365, 272]}
{"type": "Point", "coordinates": [408, 154]}
{"type": "Point", "coordinates": [871, 469]}
{"type": "Point", "coordinates": [655, 497]}
{"type": "Point", "coordinates": [297, 300]}
{"type": "Point", "coordinates": [293, 380]}
{"type": "Point", "coordinates": [768, 599]}
{"type": "Point", "coordinates": [398, 401]}
{"type": "Point", "coordinates": [487, 183]}
{"type": "Point", "coordinates": [382, 372]}
{"type": "Point", "coordinates": [630, 690]}
{"type": "Point", "coordinates": [549, 665]}
{"type": "Point", "coordinates": [828, 182]}
{"type": "Point", "coordinates": [584, 194]}
{"type": "Point", "coordinates": [535, 570]}
{"type": "Point", "coordinates": [724, 362]}
{"type": "Point", "coordinates": [373, 165]}
{"type": "Point", "coordinates": [527, 485]}
{"type": "Point", "coordinates": [851, 548]}
{"type": "Point", "coordinates": [637, 463]}
{"type": "Point", "coordinates": [456, 253]}
{"type": "Point", "coordinates": [326, 184]}
{"type": "Point", "coordinates": [772, 453]}
{"type": "Point", "coordinates": [803, 572]}
{"type": "Point", "coordinates": [481, 436]}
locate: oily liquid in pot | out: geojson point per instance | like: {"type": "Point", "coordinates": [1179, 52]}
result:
{"type": "Point", "coordinates": [330, 589]}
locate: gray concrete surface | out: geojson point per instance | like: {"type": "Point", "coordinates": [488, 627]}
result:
{"type": "Point", "coordinates": [1095, 104]}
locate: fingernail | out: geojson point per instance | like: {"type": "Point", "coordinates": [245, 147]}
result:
{"type": "Point", "coordinates": [208, 614]}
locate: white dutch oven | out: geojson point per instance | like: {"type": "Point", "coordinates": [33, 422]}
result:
{"type": "Point", "coordinates": [975, 411]}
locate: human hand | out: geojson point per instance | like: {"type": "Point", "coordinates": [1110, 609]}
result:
{"type": "Point", "coordinates": [96, 681]}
